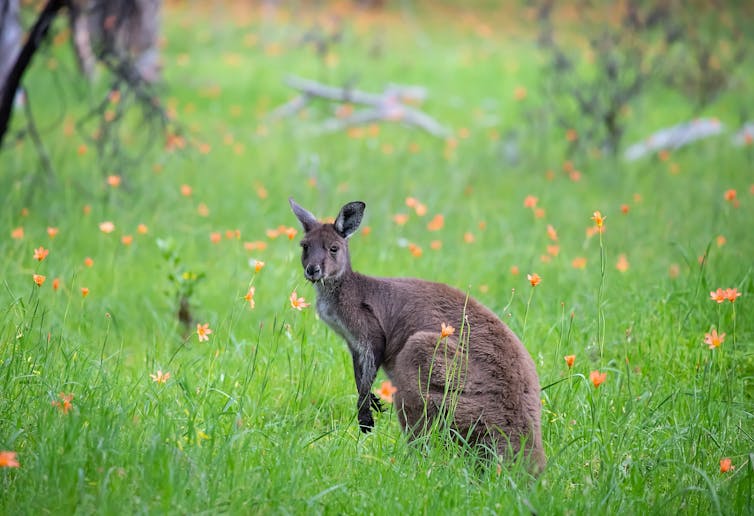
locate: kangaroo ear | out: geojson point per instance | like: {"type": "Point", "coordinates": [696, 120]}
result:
{"type": "Point", "coordinates": [308, 221]}
{"type": "Point", "coordinates": [349, 218]}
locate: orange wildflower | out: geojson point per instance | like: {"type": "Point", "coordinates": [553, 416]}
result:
{"type": "Point", "coordinates": [160, 377]}
{"type": "Point", "coordinates": [718, 295]}
{"type": "Point", "coordinates": [114, 181]}
{"type": "Point", "coordinates": [553, 250]}
{"type": "Point", "coordinates": [107, 227]}
{"type": "Point", "coordinates": [202, 210]}
{"type": "Point", "coordinates": [713, 340]}
{"type": "Point", "coordinates": [40, 253]}
{"type": "Point", "coordinates": [272, 233]}
{"type": "Point", "coordinates": [386, 391]}
{"type": "Point", "coordinates": [415, 250]}
{"type": "Point", "coordinates": [203, 331]}
{"type": "Point", "coordinates": [598, 219]}
{"type": "Point", "coordinates": [552, 233]}
{"type": "Point", "coordinates": [420, 209]}
{"type": "Point", "coordinates": [64, 405]}
{"type": "Point", "coordinates": [127, 239]}
{"type": "Point", "coordinates": [186, 190]}
{"type": "Point", "coordinates": [215, 237]}
{"type": "Point", "coordinates": [731, 294]}
{"type": "Point", "coordinates": [721, 240]}
{"type": "Point", "coordinates": [88, 262]}
{"type": "Point", "coordinates": [39, 279]}
{"type": "Point", "coordinates": [530, 201]}
{"type": "Point", "coordinates": [142, 229]}
{"type": "Point", "coordinates": [570, 360]}
{"type": "Point", "coordinates": [257, 264]}
{"type": "Point", "coordinates": [411, 202]}
{"type": "Point", "coordinates": [8, 459]}
{"type": "Point", "coordinates": [515, 270]}
{"type": "Point", "coordinates": [52, 232]}
{"type": "Point", "coordinates": [726, 465]}
{"type": "Point", "coordinates": [539, 213]}
{"type": "Point", "coordinates": [435, 245]}
{"type": "Point", "coordinates": [56, 284]}
{"type": "Point", "coordinates": [299, 303]}
{"type": "Point", "coordinates": [674, 270]}
{"type": "Point", "coordinates": [249, 297]}
{"type": "Point", "coordinates": [534, 279]}
{"type": "Point", "coordinates": [624, 209]}
{"type": "Point", "coordinates": [437, 223]}
{"type": "Point", "coordinates": [468, 237]}
{"type": "Point", "coordinates": [400, 218]}
{"type": "Point", "coordinates": [84, 291]}
{"type": "Point", "coordinates": [257, 245]}
{"type": "Point", "coordinates": [622, 264]}
{"type": "Point", "coordinates": [597, 378]}
{"type": "Point", "coordinates": [17, 234]}
{"type": "Point", "coordinates": [579, 262]}
{"type": "Point", "coordinates": [446, 330]}
{"type": "Point", "coordinates": [730, 195]}
{"type": "Point", "coordinates": [291, 233]}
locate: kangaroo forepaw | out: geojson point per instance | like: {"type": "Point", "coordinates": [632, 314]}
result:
{"type": "Point", "coordinates": [366, 421]}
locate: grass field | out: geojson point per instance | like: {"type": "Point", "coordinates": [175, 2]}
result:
{"type": "Point", "coordinates": [260, 417]}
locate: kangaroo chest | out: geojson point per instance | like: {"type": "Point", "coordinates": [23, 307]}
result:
{"type": "Point", "coordinates": [328, 312]}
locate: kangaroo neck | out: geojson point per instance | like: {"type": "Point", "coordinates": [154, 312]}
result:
{"type": "Point", "coordinates": [330, 288]}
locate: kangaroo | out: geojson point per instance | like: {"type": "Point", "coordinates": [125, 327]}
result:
{"type": "Point", "coordinates": [482, 379]}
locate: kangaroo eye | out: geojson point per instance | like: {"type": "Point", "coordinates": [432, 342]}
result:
{"type": "Point", "coordinates": [334, 249]}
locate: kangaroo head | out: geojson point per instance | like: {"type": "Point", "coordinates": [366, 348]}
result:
{"type": "Point", "coordinates": [324, 248]}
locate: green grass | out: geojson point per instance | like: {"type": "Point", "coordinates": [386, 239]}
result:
{"type": "Point", "coordinates": [261, 418]}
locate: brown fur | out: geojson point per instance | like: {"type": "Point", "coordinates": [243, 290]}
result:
{"type": "Point", "coordinates": [481, 377]}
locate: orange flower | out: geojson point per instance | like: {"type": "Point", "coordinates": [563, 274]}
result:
{"type": "Point", "coordinates": [84, 291]}
{"type": "Point", "coordinates": [539, 213]}
{"type": "Point", "coordinates": [552, 233]}
{"type": "Point", "coordinates": [107, 227]}
{"type": "Point", "coordinates": [52, 232]}
{"type": "Point", "coordinates": [534, 279]}
{"type": "Point", "coordinates": [530, 201]}
{"type": "Point", "coordinates": [257, 264]}
{"type": "Point", "coordinates": [142, 229]}
{"type": "Point", "coordinates": [579, 262]}
{"type": "Point", "coordinates": [88, 262]}
{"type": "Point", "coordinates": [721, 240]}
{"type": "Point", "coordinates": [420, 209]}
{"type": "Point", "coordinates": [435, 245]}
{"type": "Point", "coordinates": [553, 250]}
{"type": "Point", "coordinates": [39, 279]}
{"type": "Point", "coordinates": [437, 223]}
{"type": "Point", "coordinates": [731, 294]}
{"type": "Point", "coordinates": [386, 391]}
{"type": "Point", "coordinates": [515, 270]}
{"type": "Point", "coordinates": [186, 190]}
{"type": "Point", "coordinates": [40, 253]}
{"type": "Point", "coordinates": [203, 331]}
{"type": "Point", "coordinates": [17, 234]}
{"type": "Point", "coordinates": [713, 340]}
{"type": "Point", "coordinates": [257, 245]}
{"type": "Point", "coordinates": [8, 459]}
{"type": "Point", "coordinates": [202, 210]}
{"type": "Point", "coordinates": [127, 239]}
{"type": "Point", "coordinates": [400, 218]}
{"type": "Point", "coordinates": [730, 195]}
{"type": "Point", "coordinates": [56, 284]}
{"type": "Point", "coordinates": [624, 209]}
{"type": "Point", "coordinates": [726, 465]}
{"type": "Point", "coordinates": [299, 303]}
{"type": "Point", "coordinates": [598, 219]}
{"type": "Point", "coordinates": [415, 250]}
{"type": "Point", "coordinates": [249, 297]}
{"type": "Point", "coordinates": [718, 295]}
{"type": "Point", "coordinates": [468, 237]}
{"type": "Point", "coordinates": [446, 330]}
{"type": "Point", "coordinates": [569, 360]}
{"type": "Point", "coordinates": [160, 377]}
{"type": "Point", "coordinates": [64, 405]}
{"type": "Point", "coordinates": [291, 233]}
{"type": "Point", "coordinates": [114, 181]}
{"type": "Point", "coordinates": [215, 237]}
{"type": "Point", "coordinates": [622, 264]}
{"type": "Point", "coordinates": [597, 378]}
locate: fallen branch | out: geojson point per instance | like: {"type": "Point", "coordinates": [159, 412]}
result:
{"type": "Point", "coordinates": [388, 106]}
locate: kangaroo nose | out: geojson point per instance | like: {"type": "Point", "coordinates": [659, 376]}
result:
{"type": "Point", "coordinates": [313, 271]}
